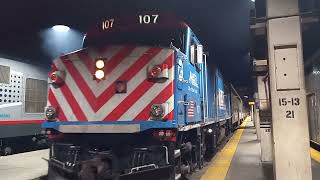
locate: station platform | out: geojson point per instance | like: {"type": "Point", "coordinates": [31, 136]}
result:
{"type": "Point", "coordinates": [240, 159]}
{"type": "Point", "coordinates": [24, 166]}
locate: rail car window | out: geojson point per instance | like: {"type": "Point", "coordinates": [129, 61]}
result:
{"type": "Point", "coordinates": [8, 93]}
{"type": "Point", "coordinates": [145, 38]}
{"type": "Point", "coordinates": [4, 74]}
{"type": "Point", "coordinates": [36, 95]}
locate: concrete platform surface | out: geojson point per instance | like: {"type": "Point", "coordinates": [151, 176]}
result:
{"type": "Point", "coordinates": [246, 160]}
{"type": "Point", "coordinates": [24, 166]}
{"type": "Point", "coordinates": [246, 163]}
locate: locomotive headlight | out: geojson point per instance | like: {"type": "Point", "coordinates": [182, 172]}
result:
{"type": "Point", "coordinates": [157, 111]}
{"type": "Point", "coordinates": [50, 113]}
{"type": "Point", "coordinates": [100, 64]}
{"type": "Point", "coordinates": [99, 74]}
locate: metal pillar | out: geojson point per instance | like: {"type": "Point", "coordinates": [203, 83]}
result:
{"type": "Point", "coordinates": [288, 97]}
{"type": "Point", "coordinates": [264, 117]}
{"type": "Point", "coordinates": [251, 114]}
{"type": "Point", "coordinates": [257, 116]}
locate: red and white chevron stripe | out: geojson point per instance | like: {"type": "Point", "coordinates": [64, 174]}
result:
{"type": "Point", "coordinates": [81, 98]}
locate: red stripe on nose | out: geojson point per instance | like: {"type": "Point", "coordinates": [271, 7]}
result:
{"type": "Point", "coordinates": [160, 98]}
{"type": "Point", "coordinates": [81, 83]}
{"type": "Point", "coordinates": [134, 96]}
{"type": "Point", "coordinates": [116, 60]}
{"type": "Point", "coordinates": [128, 75]}
{"type": "Point", "coordinates": [169, 116]}
{"type": "Point", "coordinates": [79, 80]}
{"type": "Point", "coordinates": [73, 103]}
{"type": "Point", "coordinates": [110, 63]}
{"type": "Point", "coordinates": [129, 101]}
{"type": "Point", "coordinates": [54, 103]}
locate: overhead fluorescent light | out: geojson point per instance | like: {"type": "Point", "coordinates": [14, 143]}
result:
{"type": "Point", "coordinates": [60, 28]}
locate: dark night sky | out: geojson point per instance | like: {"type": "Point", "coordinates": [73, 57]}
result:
{"type": "Point", "coordinates": [222, 25]}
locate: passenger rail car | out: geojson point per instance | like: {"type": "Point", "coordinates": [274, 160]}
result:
{"type": "Point", "coordinates": [237, 108]}
{"type": "Point", "coordinates": [23, 92]}
{"type": "Point", "coordinates": [138, 98]}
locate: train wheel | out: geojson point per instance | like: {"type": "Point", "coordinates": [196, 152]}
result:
{"type": "Point", "coordinates": [176, 174]}
{"type": "Point", "coordinates": [55, 174]}
{"type": "Point", "coordinates": [203, 148]}
{"type": "Point", "coordinates": [175, 160]}
{"type": "Point", "coordinates": [200, 148]}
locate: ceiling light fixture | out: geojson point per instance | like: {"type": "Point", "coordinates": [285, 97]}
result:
{"type": "Point", "coordinates": [60, 28]}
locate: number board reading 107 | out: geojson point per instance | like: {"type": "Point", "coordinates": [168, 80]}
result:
{"type": "Point", "coordinates": [141, 19]}
{"type": "Point", "coordinates": [290, 114]}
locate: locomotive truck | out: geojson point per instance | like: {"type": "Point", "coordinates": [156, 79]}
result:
{"type": "Point", "coordinates": [140, 98]}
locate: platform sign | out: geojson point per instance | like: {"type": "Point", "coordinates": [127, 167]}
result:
{"type": "Point", "coordinates": [289, 105]}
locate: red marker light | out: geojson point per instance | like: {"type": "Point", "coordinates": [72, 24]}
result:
{"type": "Point", "coordinates": [161, 133]}
{"type": "Point", "coordinates": [165, 135]}
{"type": "Point", "coordinates": [53, 77]}
{"type": "Point", "coordinates": [169, 133]}
{"type": "Point", "coordinates": [155, 71]}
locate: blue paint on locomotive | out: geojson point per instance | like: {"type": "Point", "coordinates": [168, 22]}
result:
{"type": "Point", "coordinates": [211, 94]}
{"type": "Point", "coordinates": [188, 85]}
{"type": "Point", "coordinates": [223, 98]}
{"type": "Point", "coordinates": [143, 125]}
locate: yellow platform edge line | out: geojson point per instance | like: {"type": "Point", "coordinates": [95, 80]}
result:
{"type": "Point", "coordinates": [315, 155]}
{"type": "Point", "coordinates": [219, 167]}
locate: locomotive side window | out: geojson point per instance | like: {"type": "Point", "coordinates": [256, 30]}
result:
{"type": "Point", "coordinates": [193, 54]}
{"type": "Point", "coordinates": [193, 51]}
{"type": "Point", "coordinates": [196, 51]}
{"type": "Point", "coordinates": [4, 74]}
{"type": "Point", "coordinates": [36, 95]}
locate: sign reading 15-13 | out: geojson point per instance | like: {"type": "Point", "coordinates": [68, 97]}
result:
{"type": "Point", "coordinates": [291, 102]}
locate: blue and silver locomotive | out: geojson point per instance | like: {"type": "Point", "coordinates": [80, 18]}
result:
{"type": "Point", "coordinates": [141, 97]}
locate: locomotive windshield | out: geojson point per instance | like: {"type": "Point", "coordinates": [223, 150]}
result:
{"type": "Point", "coordinates": [146, 30]}
{"type": "Point", "coordinates": [143, 38]}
